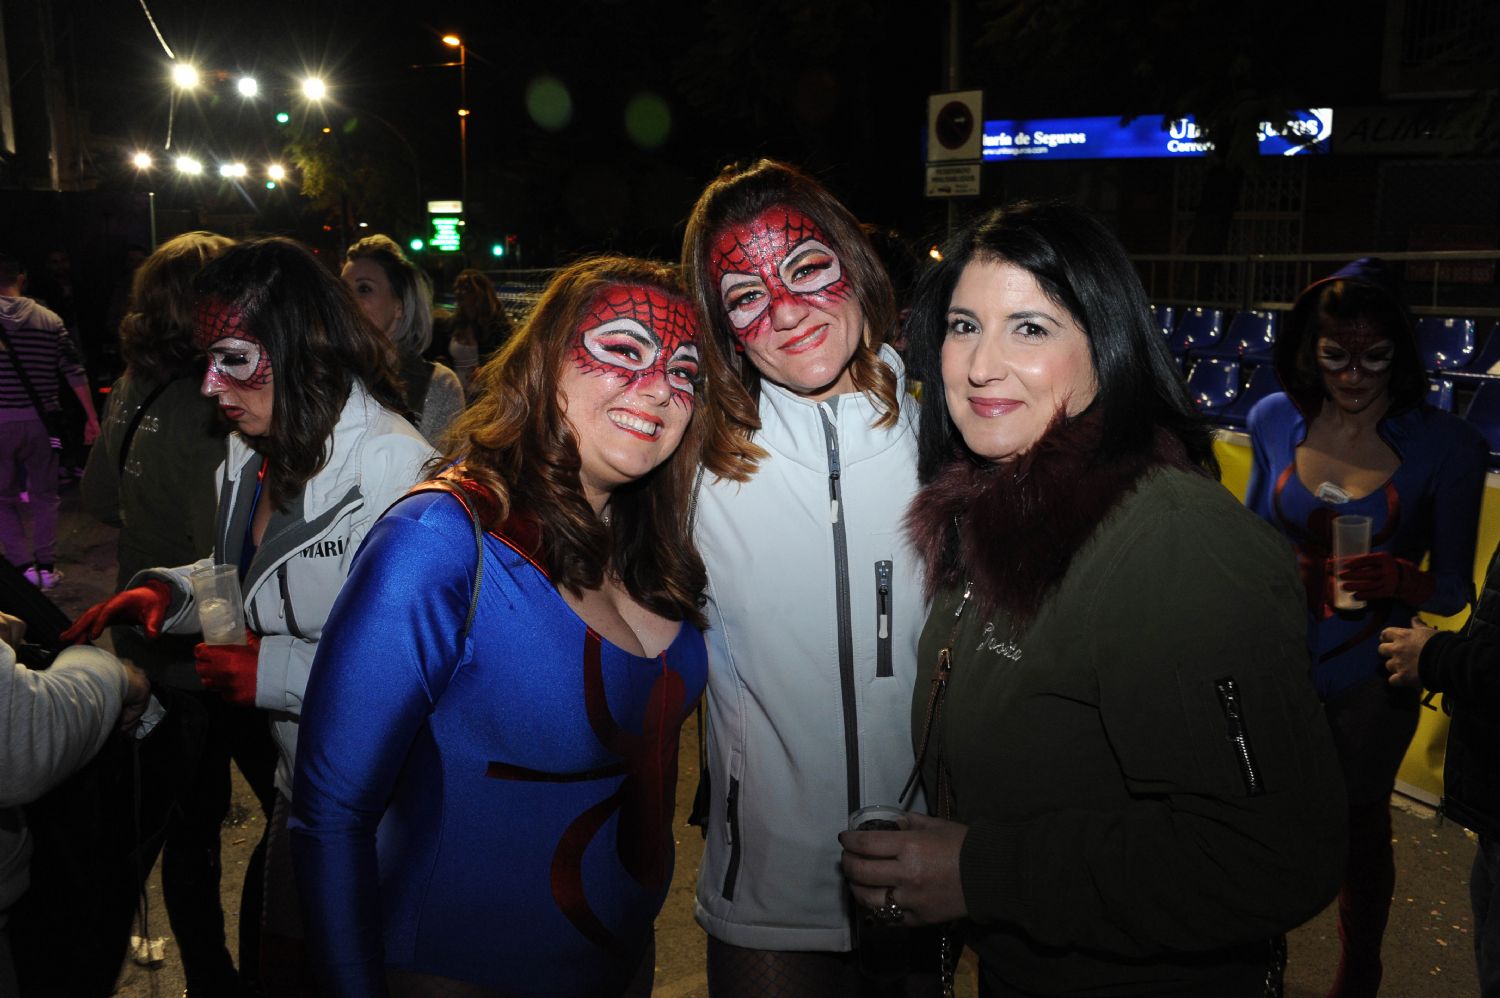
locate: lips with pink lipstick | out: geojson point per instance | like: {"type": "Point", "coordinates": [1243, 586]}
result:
{"type": "Point", "coordinates": [636, 423]}
{"type": "Point", "coordinates": [990, 408]}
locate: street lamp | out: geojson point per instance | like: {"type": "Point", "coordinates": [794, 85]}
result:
{"type": "Point", "coordinates": [189, 166]}
{"type": "Point", "coordinates": [276, 171]}
{"type": "Point", "coordinates": [248, 87]}
{"type": "Point", "coordinates": [184, 75]}
{"type": "Point", "coordinates": [141, 161]}
{"type": "Point", "coordinates": [314, 88]}
{"type": "Point", "coordinates": [232, 170]}
{"type": "Point", "coordinates": [453, 41]}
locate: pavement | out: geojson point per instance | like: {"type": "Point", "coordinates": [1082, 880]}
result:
{"type": "Point", "coordinates": [1428, 943]}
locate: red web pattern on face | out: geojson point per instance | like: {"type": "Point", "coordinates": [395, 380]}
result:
{"type": "Point", "coordinates": [215, 319]}
{"type": "Point", "coordinates": [668, 318]}
{"type": "Point", "coordinates": [758, 247]}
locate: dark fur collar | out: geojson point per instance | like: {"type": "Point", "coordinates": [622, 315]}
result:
{"type": "Point", "coordinates": [1013, 529]}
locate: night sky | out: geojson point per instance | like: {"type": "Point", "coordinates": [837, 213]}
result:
{"type": "Point", "coordinates": [841, 90]}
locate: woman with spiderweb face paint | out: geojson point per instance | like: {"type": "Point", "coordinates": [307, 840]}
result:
{"type": "Point", "coordinates": [320, 450]}
{"type": "Point", "coordinates": [815, 598]}
{"type": "Point", "coordinates": [501, 814]}
{"type": "Point", "coordinates": [1352, 435]}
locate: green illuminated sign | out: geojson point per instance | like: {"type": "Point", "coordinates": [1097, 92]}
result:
{"type": "Point", "coordinates": [446, 235]}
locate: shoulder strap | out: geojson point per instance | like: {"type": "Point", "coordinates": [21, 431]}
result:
{"type": "Point", "coordinates": [15, 360]}
{"type": "Point", "coordinates": [135, 424]}
{"type": "Point", "coordinates": [463, 501]}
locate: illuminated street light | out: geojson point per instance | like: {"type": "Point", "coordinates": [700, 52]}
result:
{"type": "Point", "coordinates": [314, 88]}
{"type": "Point", "coordinates": [248, 87]}
{"type": "Point", "coordinates": [189, 165]}
{"type": "Point", "coordinates": [141, 161]}
{"type": "Point", "coordinates": [452, 41]}
{"type": "Point", "coordinates": [276, 171]}
{"type": "Point", "coordinates": [184, 76]}
{"type": "Point", "coordinates": [455, 42]}
{"type": "Point", "coordinates": [233, 170]}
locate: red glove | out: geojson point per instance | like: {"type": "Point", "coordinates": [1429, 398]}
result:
{"type": "Point", "coordinates": [145, 605]}
{"type": "Point", "coordinates": [1381, 575]}
{"type": "Point", "coordinates": [230, 670]}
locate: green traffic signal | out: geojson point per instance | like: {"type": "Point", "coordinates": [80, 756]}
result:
{"type": "Point", "coordinates": [282, 118]}
{"type": "Point", "coordinates": [416, 245]}
{"type": "Point", "coordinates": [498, 249]}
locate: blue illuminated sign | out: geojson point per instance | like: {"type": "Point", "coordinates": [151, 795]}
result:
{"type": "Point", "coordinates": [1304, 132]}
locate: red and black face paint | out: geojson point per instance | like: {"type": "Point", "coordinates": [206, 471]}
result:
{"type": "Point", "coordinates": [780, 255]}
{"type": "Point", "coordinates": [637, 334]}
{"type": "Point", "coordinates": [1357, 342]}
{"type": "Point", "coordinates": [235, 355]}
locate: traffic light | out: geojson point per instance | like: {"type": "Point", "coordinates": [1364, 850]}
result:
{"type": "Point", "coordinates": [416, 244]}
{"type": "Point", "coordinates": [283, 118]}
{"type": "Point", "coordinates": [497, 250]}
{"type": "Point", "coordinates": [513, 247]}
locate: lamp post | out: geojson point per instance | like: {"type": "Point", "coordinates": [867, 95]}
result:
{"type": "Point", "coordinates": [453, 41]}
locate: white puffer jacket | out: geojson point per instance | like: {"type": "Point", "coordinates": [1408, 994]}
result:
{"type": "Point", "coordinates": [304, 557]}
{"type": "Point", "coordinates": [815, 606]}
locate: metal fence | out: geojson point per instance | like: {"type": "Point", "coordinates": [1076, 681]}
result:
{"type": "Point", "coordinates": [1439, 282]}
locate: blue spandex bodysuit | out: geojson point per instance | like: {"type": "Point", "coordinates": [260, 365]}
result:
{"type": "Point", "coordinates": [1431, 504]}
{"type": "Point", "coordinates": [497, 813]}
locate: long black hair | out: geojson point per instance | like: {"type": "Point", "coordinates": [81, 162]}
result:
{"type": "Point", "coordinates": [1082, 267]}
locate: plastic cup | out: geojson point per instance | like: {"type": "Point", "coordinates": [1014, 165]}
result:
{"type": "Point", "coordinates": [1351, 538]}
{"type": "Point", "coordinates": [878, 818]}
{"type": "Point", "coordinates": [221, 608]}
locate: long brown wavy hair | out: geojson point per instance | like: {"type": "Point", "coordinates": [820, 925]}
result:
{"type": "Point", "coordinates": [738, 195]}
{"type": "Point", "coordinates": [320, 344]}
{"type": "Point", "coordinates": [517, 444]}
{"type": "Point", "coordinates": [156, 335]}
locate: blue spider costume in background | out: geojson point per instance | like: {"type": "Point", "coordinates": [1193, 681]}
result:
{"type": "Point", "coordinates": [497, 813]}
{"type": "Point", "coordinates": [1431, 503]}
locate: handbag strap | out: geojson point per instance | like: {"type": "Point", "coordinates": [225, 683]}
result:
{"type": "Point", "coordinates": [937, 693]}
{"type": "Point", "coordinates": [444, 485]}
{"type": "Point", "coordinates": [15, 361]}
{"type": "Point", "coordinates": [135, 424]}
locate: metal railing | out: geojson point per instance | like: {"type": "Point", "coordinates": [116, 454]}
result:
{"type": "Point", "coordinates": [1271, 281]}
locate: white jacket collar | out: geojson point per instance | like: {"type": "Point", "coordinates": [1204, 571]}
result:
{"type": "Point", "coordinates": [792, 425]}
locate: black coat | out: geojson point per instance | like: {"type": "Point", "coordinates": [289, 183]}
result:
{"type": "Point", "coordinates": [1465, 668]}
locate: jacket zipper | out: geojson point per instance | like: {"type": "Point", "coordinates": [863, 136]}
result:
{"type": "Point", "coordinates": [1233, 707]}
{"type": "Point", "coordinates": [845, 614]}
{"type": "Point", "coordinates": [883, 573]}
{"type": "Point", "coordinates": [732, 822]}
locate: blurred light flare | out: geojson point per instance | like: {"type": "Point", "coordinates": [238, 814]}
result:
{"type": "Point", "coordinates": [188, 165]}
{"type": "Point", "coordinates": [185, 76]}
{"type": "Point", "coordinates": [276, 171]}
{"type": "Point", "coordinates": [142, 161]}
{"type": "Point", "coordinates": [248, 87]}
{"type": "Point", "coordinates": [313, 88]}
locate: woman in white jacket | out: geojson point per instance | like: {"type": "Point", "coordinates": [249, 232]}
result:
{"type": "Point", "coordinates": [319, 453]}
{"type": "Point", "coordinates": [814, 597]}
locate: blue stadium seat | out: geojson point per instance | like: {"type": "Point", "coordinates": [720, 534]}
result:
{"type": "Point", "coordinates": [1262, 382]}
{"type": "Point", "coordinates": [1197, 328]}
{"type": "Point", "coordinates": [1251, 334]}
{"type": "Point", "coordinates": [1214, 383]}
{"type": "Point", "coordinates": [1440, 393]}
{"type": "Point", "coordinates": [1165, 317]}
{"type": "Point", "coordinates": [1445, 344]}
{"type": "Point", "coordinates": [1484, 413]}
{"type": "Point", "coordinates": [1486, 359]}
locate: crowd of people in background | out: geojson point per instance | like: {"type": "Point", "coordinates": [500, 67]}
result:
{"type": "Point", "coordinates": [989, 656]}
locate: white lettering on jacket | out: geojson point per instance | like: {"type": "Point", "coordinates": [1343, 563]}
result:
{"type": "Point", "coordinates": [1008, 649]}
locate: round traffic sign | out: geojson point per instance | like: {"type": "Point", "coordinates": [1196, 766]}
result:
{"type": "Point", "coordinates": [954, 125]}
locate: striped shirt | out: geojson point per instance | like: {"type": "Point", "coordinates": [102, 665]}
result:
{"type": "Point", "coordinates": [40, 342]}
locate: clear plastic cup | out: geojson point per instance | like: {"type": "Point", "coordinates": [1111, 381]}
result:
{"type": "Point", "coordinates": [221, 607]}
{"type": "Point", "coordinates": [878, 818]}
{"type": "Point", "coordinates": [1351, 538]}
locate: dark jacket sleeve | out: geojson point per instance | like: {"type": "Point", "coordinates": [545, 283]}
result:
{"type": "Point", "coordinates": [1234, 826]}
{"type": "Point", "coordinates": [1466, 667]}
{"type": "Point", "coordinates": [1458, 493]}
